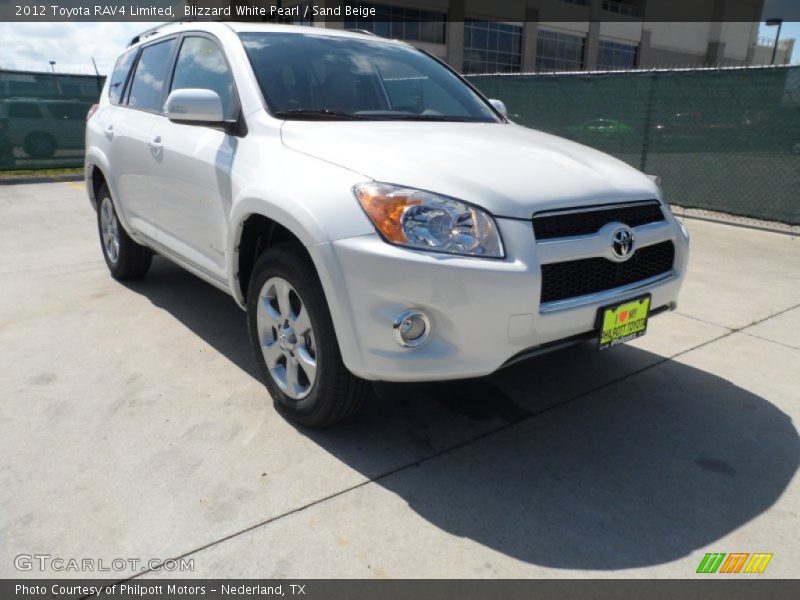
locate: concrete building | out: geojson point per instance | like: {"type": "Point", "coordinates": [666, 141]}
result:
{"type": "Point", "coordinates": [480, 36]}
{"type": "Point", "coordinates": [761, 51]}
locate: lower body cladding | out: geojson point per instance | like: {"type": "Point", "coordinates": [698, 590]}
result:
{"type": "Point", "coordinates": [482, 313]}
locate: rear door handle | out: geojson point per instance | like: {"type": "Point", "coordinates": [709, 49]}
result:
{"type": "Point", "coordinates": [109, 132]}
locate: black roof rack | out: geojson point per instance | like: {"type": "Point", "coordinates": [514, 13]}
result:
{"type": "Point", "coordinates": [153, 30]}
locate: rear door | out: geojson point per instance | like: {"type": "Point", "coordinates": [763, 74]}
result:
{"type": "Point", "coordinates": [191, 184]}
{"type": "Point", "coordinates": [132, 154]}
{"type": "Point", "coordinates": [99, 128]}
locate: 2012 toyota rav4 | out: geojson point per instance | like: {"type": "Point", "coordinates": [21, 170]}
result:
{"type": "Point", "coordinates": [376, 216]}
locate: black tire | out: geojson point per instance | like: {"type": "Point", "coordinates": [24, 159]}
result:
{"type": "Point", "coordinates": [335, 393]}
{"type": "Point", "coordinates": [133, 260]}
{"type": "Point", "coordinates": [40, 145]}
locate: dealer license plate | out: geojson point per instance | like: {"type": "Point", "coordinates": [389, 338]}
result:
{"type": "Point", "coordinates": [623, 322]}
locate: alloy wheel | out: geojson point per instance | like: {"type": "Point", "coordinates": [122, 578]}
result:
{"type": "Point", "coordinates": [287, 338]}
{"type": "Point", "coordinates": [109, 229]}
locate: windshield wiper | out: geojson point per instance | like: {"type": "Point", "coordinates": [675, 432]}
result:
{"type": "Point", "coordinates": [328, 114]}
{"type": "Point", "coordinates": [414, 117]}
{"type": "Point", "coordinates": [317, 113]}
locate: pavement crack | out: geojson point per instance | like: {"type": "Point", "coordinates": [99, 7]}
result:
{"type": "Point", "coordinates": [706, 321]}
{"type": "Point", "coordinates": [766, 339]}
{"type": "Point", "coordinates": [743, 327]}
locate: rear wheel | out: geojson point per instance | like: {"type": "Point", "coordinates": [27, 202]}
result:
{"type": "Point", "coordinates": [125, 258]}
{"type": "Point", "coordinates": [294, 341]}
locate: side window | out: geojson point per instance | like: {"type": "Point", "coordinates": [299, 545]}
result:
{"type": "Point", "coordinates": [67, 111]}
{"type": "Point", "coordinates": [17, 110]}
{"type": "Point", "coordinates": [120, 74]}
{"type": "Point", "coordinates": [147, 87]}
{"type": "Point", "coordinates": [76, 111]}
{"type": "Point", "coordinates": [201, 64]}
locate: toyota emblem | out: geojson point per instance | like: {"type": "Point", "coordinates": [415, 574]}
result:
{"type": "Point", "coordinates": [622, 243]}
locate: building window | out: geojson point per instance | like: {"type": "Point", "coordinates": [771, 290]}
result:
{"type": "Point", "coordinates": [402, 23]}
{"type": "Point", "coordinates": [559, 51]}
{"type": "Point", "coordinates": [613, 55]}
{"type": "Point", "coordinates": [578, 2]}
{"type": "Point", "coordinates": [491, 47]}
{"type": "Point", "coordinates": [629, 8]}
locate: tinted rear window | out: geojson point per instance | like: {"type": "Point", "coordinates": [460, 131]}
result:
{"type": "Point", "coordinates": [121, 69]}
{"type": "Point", "coordinates": [68, 111]}
{"type": "Point", "coordinates": [147, 86]}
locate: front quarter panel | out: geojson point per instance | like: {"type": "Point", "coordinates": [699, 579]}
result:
{"type": "Point", "coordinates": [311, 198]}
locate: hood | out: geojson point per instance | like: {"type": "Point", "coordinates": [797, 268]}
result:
{"type": "Point", "coordinates": [509, 170]}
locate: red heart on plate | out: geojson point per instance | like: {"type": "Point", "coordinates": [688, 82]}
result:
{"type": "Point", "coordinates": [623, 316]}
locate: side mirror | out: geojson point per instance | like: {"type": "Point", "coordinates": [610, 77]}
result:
{"type": "Point", "coordinates": [499, 106]}
{"type": "Point", "coordinates": [195, 107]}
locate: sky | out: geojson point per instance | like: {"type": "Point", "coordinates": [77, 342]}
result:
{"type": "Point", "coordinates": [30, 46]}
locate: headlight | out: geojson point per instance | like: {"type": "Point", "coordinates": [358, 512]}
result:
{"type": "Point", "coordinates": [427, 221]}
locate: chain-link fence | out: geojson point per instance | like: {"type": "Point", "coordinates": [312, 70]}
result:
{"type": "Point", "coordinates": [43, 118]}
{"type": "Point", "coordinates": [723, 140]}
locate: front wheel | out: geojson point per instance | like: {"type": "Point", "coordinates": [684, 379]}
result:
{"type": "Point", "coordinates": [294, 341]}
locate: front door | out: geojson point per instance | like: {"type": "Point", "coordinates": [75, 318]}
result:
{"type": "Point", "coordinates": [191, 185]}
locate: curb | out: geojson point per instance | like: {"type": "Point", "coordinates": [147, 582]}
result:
{"type": "Point", "coordinates": [702, 214]}
{"type": "Point", "coordinates": [14, 180]}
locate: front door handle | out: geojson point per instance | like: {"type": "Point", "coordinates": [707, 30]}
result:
{"type": "Point", "coordinates": [109, 132]}
{"type": "Point", "coordinates": [155, 145]}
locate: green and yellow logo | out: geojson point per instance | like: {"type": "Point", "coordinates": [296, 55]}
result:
{"type": "Point", "coordinates": [734, 562]}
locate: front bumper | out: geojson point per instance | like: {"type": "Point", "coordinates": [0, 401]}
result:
{"type": "Point", "coordinates": [483, 312]}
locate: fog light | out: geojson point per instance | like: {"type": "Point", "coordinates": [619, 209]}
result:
{"type": "Point", "coordinates": [411, 328]}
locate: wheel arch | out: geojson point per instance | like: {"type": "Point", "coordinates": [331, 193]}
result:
{"type": "Point", "coordinates": [255, 224]}
{"type": "Point", "coordinates": [95, 179]}
{"type": "Point", "coordinates": [254, 220]}
{"type": "Point", "coordinates": [257, 233]}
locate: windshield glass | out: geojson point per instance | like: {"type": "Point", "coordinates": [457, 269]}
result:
{"type": "Point", "coordinates": [306, 76]}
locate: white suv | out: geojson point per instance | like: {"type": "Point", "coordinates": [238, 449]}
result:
{"type": "Point", "coordinates": [374, 214]}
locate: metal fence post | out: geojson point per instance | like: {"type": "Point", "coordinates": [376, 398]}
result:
{"type": "Point", "coordinates": [648, 118]}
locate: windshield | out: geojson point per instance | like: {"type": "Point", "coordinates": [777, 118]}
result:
{"type": "Point", "coordinates": [306, 76]}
